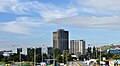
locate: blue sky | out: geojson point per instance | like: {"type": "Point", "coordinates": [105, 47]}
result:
{"type": "Point", "coordinates": [31, 22]}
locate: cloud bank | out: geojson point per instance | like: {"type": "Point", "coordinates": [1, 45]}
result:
{"type": "Point", "coordinates": [93, 14]}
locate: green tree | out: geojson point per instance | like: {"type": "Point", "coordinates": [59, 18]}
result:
{"type": "Point", "coordinates": [1, 57]}
{"type": "Point", "coordinates": [107, 55]}
{"type": "Point", "coordinates": [116, 56]}
{"type": "Point", "coordinates": [69, 57]}
{"type": "Point", "coordinates": [89, 52]}
{"type": "Point", "coordinates": [65, 58]}
{"type": "Point", "coordinates": [30, 55]}
{"type": "Point", "coordinates": [45, 56]}
{"type": "Point", "coordinates": [6, 59]}
{"type": "Point", "coordinates": [94, 52]}
{"type": "Point", "coordinates": [38, 58]}
{"type": "Point", "coordinates": [56, 51]}
{"type": "Point", "coordinates": [23, 57]}
{"type": "Point", "coordinates": [78, 54]}
{"type": "Point", "coordinates": [59, 58]}
{"type": "Point", "coordinates": [15, 57]}
{"type": "Point", "coordinates": [81, 57]}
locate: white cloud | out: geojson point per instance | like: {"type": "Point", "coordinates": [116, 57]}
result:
{"type": "Point", "coordinates": [22, 25]}
{"type": "Point", "coordinates": [111, 7]}
{"type": "Point", "coordinates": [104, 4]}
{"type": "Point", "coordinates": [5, 5]}
{"type": "Point", "coordinates": [52, 13]}
{"type": "Point", "coordinates": [47, 11]}
{"type": "Point", "coordinates": [13, 27]}
{"type": "Point", "coordinates": [92, 22]}
{"type": "Point", "coordinates": [57, 14]}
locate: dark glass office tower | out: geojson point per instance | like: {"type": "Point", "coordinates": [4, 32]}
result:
{"type": "Point", "coordinates": [61, 40]}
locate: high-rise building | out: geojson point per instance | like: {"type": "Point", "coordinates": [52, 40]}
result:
{"type": "Point", "coordinates": [77, 46]}
{"type": "Point", "coordinates": [19, 50]}
{"type": "Point", "coordinates": [61, 39]}
{"type": "Point", "coordinates": [49, 50]}
{"type": "Point", "coordinates": [39, 50]}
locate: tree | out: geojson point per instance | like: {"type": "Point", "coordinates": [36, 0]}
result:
{"type": "Point", "coordinates": [116, 56]}
{"type": "Point", "coordinates": [15, 57]}
{"type": "Point", "coordinates": [38, 58]}
{"type": "Point", "coordinates": [59, 58]}
{"type": "Point", "coordinates": [78, 54]}
{"type": "Point", "coordinates": [89, 52]}
{"type": "Point", "coordinates": [6, 59]}
{"type": "Point", "coordinates": [81, 57]}
{"type": "Point", "coordinates": [65, 54]}
{"type": "Point", "coordinates": [1, 57]}
{"type": "Point", "coordinates": [23, 57]}
{"type": "Point", "coordinates": [56, 51]}
{"type": "Point", "coordinates": [30, 55]}
{"type": "Point", "coordinates": [45, 56]}
{"type": "Point", "coordinates": [94, 52]}
{"type": "Point", "coordinates": [69, 57]}
{"type": "Point", "coordinates": [107, 55]}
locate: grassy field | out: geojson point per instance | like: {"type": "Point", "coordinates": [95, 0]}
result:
{"type": "Point", "coordinates": [18, 63]}
{"type": "Point", "coordinates": [2, 63]}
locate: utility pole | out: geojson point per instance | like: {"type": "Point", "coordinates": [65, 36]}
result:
{"type": "Point", "coordinates": [20, 57]}
{"type": "Point", "coordinates": [34, 56]}
{"type": "Point", "coordinates": [54, 60]}
{"type": "Point", "coordinates": [42, 52]}
{"type": "Point", "coordinates": [66, 56]}
{"type": "Point", "coordinates": [100, 56]}
{"type": "Point", "coordinates": [42, 57]}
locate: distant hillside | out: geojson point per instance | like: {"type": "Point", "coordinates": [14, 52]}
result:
{"type": "Point", "coordinates": [105, 47]}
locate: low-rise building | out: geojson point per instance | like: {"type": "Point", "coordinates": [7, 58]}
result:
{"type": "Point", "coordinates": [7, 52]}
{"type": "Point", "coordinates": [114, 51]}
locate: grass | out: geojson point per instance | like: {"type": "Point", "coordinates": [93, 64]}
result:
{"type": "Point", "coordinates": [2, 63]}
{"type": "Point", "coordinates": [24, 63]}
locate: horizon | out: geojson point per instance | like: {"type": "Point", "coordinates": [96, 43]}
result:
{"type": "Point", "coordinates": [32, 22]}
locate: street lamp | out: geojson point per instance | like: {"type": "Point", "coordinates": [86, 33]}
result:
{"type": "Point", "coordinates": [100, 56]}
{"type": "Point", "coordinates": [42, 52]}
{"type": "Point", "coordinates": [44, 49]}
{"type": "Point", "coordinates": [34, 56]}
{"type": "Point", "coordinates": [66, 56]}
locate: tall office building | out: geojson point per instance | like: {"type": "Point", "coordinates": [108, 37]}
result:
{"type": "Point", "coordinates": [49, 50]}
{"type": "Point", "coordinates": [61, 40]}
{"type": "Point", "coordinates": [77, 46]}
{"type": "Point", "coordinates": [19, 50]}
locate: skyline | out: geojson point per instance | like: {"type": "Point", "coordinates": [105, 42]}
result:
{"type": "Point", "coordinates": [32, 22]}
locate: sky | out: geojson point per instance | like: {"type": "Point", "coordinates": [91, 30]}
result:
{"type": "Point", "coordinates": [31, 22]}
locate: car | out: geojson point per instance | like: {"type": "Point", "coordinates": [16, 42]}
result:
{"type": "Point", "coordinates": [43, 63]}
{"type": "Point", "coordinates": [87, 62]}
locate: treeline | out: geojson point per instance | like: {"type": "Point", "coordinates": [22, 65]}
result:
{"type": "Point", "coordinates": [55, 54]}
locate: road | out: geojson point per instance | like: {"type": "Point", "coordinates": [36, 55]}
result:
{"type": "Point", "coordinates": [83, 63]}
{"type": "Point", "coordinates": [73, 63]}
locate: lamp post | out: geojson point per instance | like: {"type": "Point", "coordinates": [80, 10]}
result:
{"type": "Point", "coordinates": [34, 56]}
{"type": "Point", "coordinates": [43, 51]}
{"type": "Point", "coordinates": [100, 56]}
{"type": "Point", "coordinates": [66, 56]}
